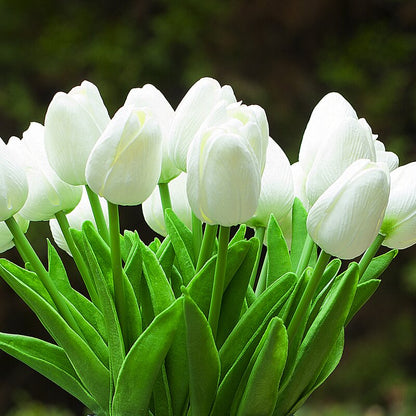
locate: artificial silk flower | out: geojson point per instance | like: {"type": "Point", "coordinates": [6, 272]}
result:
{"type": "Point", "coordinates": [390, 158]}
{"type": "Point", "coordinates": [73, 124]}
{"type": "Point", "coordinates": [152, 207]}
{"type": "Point", "coordinates": [48, 194]}
{"type": "Point", "coordinates": [13, 183]}
{"type": "Point", "coordinates": [348, 140]}
{"type": "Point", "coordinates": [6, 237]}
{"type": "Point", "coordinates": [399, 222]}
{"type": "Point", "coordinates": [277, 189]}
{"type": "Point", "coordinates": [195, 107]}
{"type": "Point", "coordinates": [124, 165]}
{"type": "Point", "coordinates": [150, 97]}
{"type": "Point", "coordinates": [332, 108]}
{"type": "Point", "coordinates": [81, 213]}
{"type": "Point", "coordinates": [346, 218]}
{"type": "Point", "coordinates": [224, 177]}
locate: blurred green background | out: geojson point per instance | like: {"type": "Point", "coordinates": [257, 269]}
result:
{"type": "Point", "coordinates": [282, 55]}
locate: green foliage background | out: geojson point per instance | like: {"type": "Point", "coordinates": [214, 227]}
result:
{"type": "Point", "coordinates": [282, 55]}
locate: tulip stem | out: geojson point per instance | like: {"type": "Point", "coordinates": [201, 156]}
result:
{"type": "Point", "coordinates": [207, 245]}
{"type": "Point", "coordinates": [196, 234]}
{"type": "Point", "coordinates": [305, 256]}
{"type": "Point", "coordinates": [259, 233]}
{"type": "Point", "coordinates": [97, 211]}
{"type": "Point", "coordinates": [301, 312]}
{"type": "Point", "coordinates": [219, 277]}
{"type": "Point", "coordinates": [79, 261]}
{"type": "Point", "coordinates": [28, 254]}
{"type": "Point", "coordinates": [165, 196]}
{"type": "Point", "coordinates": [119, 298]}
{"type": "Point", "coordinates": [370, 253]}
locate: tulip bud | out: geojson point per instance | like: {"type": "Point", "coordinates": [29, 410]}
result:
{"type": "Point", "coordinates": [48, 194]}
{"type": "Point", "coordinates": [6, 237]}
{"type": "Point", "coordinates": [73, 124]}
{"type": "Point", "coordinates": [159, 108]}
{"type": "Point", "coordinates": [194, 108]}
{"type": "Point", "coordinates": [224, 177]}
{"type": "Point", "coordinates": [399, 224]}
{"type": "Point", "coordinates": [152, 207]}
{"type": "Point", "coordinates": [277, 191]}
{"type": "Point", "coordinates": [13, 184]}
{"type": "Point", "coordinates": [124, 165]}
{"type": "Point", "coordinates": [346, 218]}
{"type": "Point", "coordinates": [332, 108]}
{"type": "Point", "coordinates": [81, 213]}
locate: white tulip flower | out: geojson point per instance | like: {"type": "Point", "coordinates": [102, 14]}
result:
{"type": "Point", "coordinates": [13, 184]}
{"type": "Point", "coordinates": [224, 176]}
{"type": "Point", "coordinates": [81, 213]}
{"type": "Point", "coordinates": [390, 158]}
{"type": "Point", "coordinates": [346, 218]}
{"type": "Point", "coordinates": [150, 97]}
{"type": "Point", "coordinates": [399, 224]}
{"type": "Point", "coordinates": [195, 107]}
{"type": "Point", "coordinates": [6, 237]}
{"type": "Point", "coordinates": [152, 207]}
{"type": "Point", "coordinates": [277, 189]}
{"type": "Point", "coordinates": [124, 165]}
{"type": "Point", "coordinates": [299, 183]}
{"type": "Point", "coordinates": [48, 194]}
{"type": "Point", "coordinates": [73, 124]}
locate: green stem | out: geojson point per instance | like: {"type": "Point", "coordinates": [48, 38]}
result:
{"type": "Point", "coordinates": [262, 283]}
{"type": "Point", "coordinates": [219, 277]}
{"type": "Point", "coordinates": [79, 261]}
{"type": "Point", "coordinates": [370, 253]}
{"type": "Point", "coordinates": [302, 308]}
{"type": "Point", "coordinates": [196, 234]}
{"type": "Point", "coordinates": [165, 196]}
{"type": "Point", "coordinates": [259, 233]}
{"type": "Point", "coordinates": [28, 254]}
{"type": "Point", "coordinates": [116, 265]}
{"type": "Point", "coordinates": [97, 211]}
{"type": "Point", "coordinates": [207, 245]}
{"type": "Point", "coordinates": [305, 256]}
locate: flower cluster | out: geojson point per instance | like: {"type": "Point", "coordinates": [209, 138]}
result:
{"type": "Point", "coordinates": [197, 321]}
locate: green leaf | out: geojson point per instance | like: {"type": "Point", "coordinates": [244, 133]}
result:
{"type": "Point", "coordinates": [133, 268]}
{"type": "Point", "coordinates": [364, 292]}
{"type": "Point", "coordinates": [160, 291]}
{"type": "Point", "coordinates": [239, 235]}
{"type": "Point", "coordinates": [154, 245]}
{"type": "Point", "coordinates": [330, 272]}
{"type": "Point", "coordinates": [378, 265]}
{"type": "Point", "coordinates": [166, 258]}
{"type": "Point", "coordinates": [204, 373]}
{"type": "Point", "coordinates": [91, 371]}
{"type": "Point", "coordinates": [233, 298]}
{"type": "Point", "coordinates": [260, 393]}
{"type": "Point", "coordinates": [279, 261]}
{"type": "Point", "coordinates": [319, 340]}
{"type": "Point", "coordinates": [181, 238]}
{"type": "Point", "coordinates": [299, 232]}
{"type": "Point", "coordinates": [162, 401]}
{"type": "Point", "coordinates": [143, 363]}
{"type": "Point", "coordinates": [50, 361]}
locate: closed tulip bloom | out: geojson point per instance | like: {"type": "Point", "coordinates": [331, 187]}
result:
{"type": "Point", "coordinates": [299, 184]}
{"type": "Point", "coordinates": [13, 184]}
{"type": "Point", "coordinates": [48, 194]}
{"type": "Point", "coordinates": [152, 207]}
{"type": "Point", "coordinates": [348, 140]}
{"type": "Point", "coordinates": [6, 237]}
{"type": "Point", "coordinates": [150, 97]}
{"type": "Point", "coordinates": [332, 108]}
{"type": "Point", "coordinates": [347, 217]}
{"type": "Point", "coordinates": [73, 124]}
{"type": "Point", "coordinates": [124, 165]}
{"type": "Point", "coordinates": [277, 190]}
{"type": "Point", "coordinates": [224, 178]}
{"type": "Point", "coordinates": [81, 213]}
{"type": "Point", "coordinates": [195, 107]}
{"type": "Point", "coordinates": [399, 224]}
{"type": "Point", "coordinates": [389, 158]}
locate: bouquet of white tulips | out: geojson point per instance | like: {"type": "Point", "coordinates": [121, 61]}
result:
{"type": "Point", "coordinates": [204, 320]}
